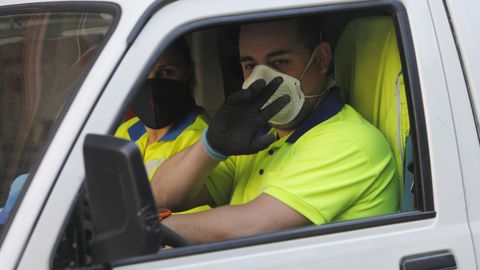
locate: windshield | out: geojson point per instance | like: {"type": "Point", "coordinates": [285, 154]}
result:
{"type": "Point", "coordinates": [43, 58]}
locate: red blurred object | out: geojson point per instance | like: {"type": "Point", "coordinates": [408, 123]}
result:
{"type": "Point", "coordinates": [130, 113]}
{"type": "Point", "coordinates": [163, 213]}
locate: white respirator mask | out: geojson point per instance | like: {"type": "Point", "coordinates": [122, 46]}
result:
{"type": "Point", "coordinates": [290, 86]}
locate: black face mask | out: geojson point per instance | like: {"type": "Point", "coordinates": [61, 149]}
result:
{"type": "Point", "coordinates": [161, 101]}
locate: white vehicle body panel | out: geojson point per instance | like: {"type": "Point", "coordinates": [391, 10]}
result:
{"type": "Point", "coordinates": [452, 139]}
{"type": "Point", "coordinates": [44, 179]}
{"type": "Point", "coordinates": [466, 31]}
{"type": "Point", "coordinates": [449, 230]}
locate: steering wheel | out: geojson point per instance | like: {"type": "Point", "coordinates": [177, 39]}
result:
{"type": "Point", "coordinates": [171, 238]}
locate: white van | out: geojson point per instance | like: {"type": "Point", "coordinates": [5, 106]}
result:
{"type": "Point", "coordinates": [71, 68]}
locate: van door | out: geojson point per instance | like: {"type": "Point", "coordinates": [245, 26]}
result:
{"type": "Point", "coordinates": [434, 233]}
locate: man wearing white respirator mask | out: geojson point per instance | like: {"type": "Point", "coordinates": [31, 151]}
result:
{"type": "Point", "coordinates": [319, 161]}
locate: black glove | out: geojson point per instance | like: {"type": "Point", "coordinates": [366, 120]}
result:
{"type": "Point", "coordinates": [233, 130]}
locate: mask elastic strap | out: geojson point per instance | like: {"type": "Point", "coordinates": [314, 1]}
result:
{"type": "Point", "coordinates": [331, 83]}
{"type": "Point", "coordinates": [310, 61]}
{"type": "Point", "coordinates": [312, 57]}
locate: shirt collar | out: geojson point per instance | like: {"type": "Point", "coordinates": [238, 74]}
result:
{"type": "Point", "coordinates": [179, 126]}
{"type": "Point", "coordinates": [138, 129]}
{"type": "Point", "coordinates": [327, 108]}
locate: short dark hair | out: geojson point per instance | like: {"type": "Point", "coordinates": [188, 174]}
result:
{"type": "Point", "coordinates": [181, 45]}
{"type": "Point", "coordinates": [309, 31]}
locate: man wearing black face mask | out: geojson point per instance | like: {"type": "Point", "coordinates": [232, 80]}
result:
{"type": "Point", "coordinates": [167, 118]}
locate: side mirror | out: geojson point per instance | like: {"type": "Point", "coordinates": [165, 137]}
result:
{"type": "Point", "coordinates": [125, 222]}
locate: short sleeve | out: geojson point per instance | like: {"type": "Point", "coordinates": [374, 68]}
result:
{"type": "Point", "coordinates": [325, 177]}
{"type": "Point", "coordinates": [220, 182]}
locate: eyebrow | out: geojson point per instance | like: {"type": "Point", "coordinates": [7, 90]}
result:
{"type": "Point", "coordinates": [246, 59]}
{"type": "Point", "coordinates": [277, 53]}
{"type": "Point", "coordinates": [170, 64]}
{"type": "Point", "coordinates": [270, 55]}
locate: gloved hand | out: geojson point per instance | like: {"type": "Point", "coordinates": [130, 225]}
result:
{"type": "Point", "coordinates": [233, 130]}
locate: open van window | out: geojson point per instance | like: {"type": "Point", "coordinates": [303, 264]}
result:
{"type": "Point", "coordinates": [372, 72]}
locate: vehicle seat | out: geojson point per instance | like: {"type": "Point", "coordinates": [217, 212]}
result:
{"type": "Point", "coordinates": [369, 72]}
{"type": "Point", "coordinates": [208, 89]}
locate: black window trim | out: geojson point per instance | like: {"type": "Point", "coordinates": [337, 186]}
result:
{"type": "Point", "coordinates": [423, 186]}
{"type": "Point", "coordinates": [63, 7]}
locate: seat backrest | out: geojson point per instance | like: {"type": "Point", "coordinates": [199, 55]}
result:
{"type": "Point", "coordinates": [368, 69]}
{"type": "Point", "coordinates": [208, 81]}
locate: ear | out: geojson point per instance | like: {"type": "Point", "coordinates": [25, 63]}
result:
{"type": "Point", "coordinates": [324, 56]}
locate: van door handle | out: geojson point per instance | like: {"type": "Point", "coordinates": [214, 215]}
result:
{"type": "Point", "coordinates": [438, 260]}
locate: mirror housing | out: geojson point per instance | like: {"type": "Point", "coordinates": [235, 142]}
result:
{"type": "Point", "coordinates": [125, 222]}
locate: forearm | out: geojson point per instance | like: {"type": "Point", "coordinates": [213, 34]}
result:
{"type": "Point", "coordinates": [180, 178]}
{"type": "Point", "coordinates": [262, 215]}
{"type": "Point", "coordinates": [212, 225]}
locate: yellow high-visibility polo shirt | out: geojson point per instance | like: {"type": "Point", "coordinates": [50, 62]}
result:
{"type": "Point", "coordinates": [334, 166]}
{"type": "Point", "coordinates": [181, 135]}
